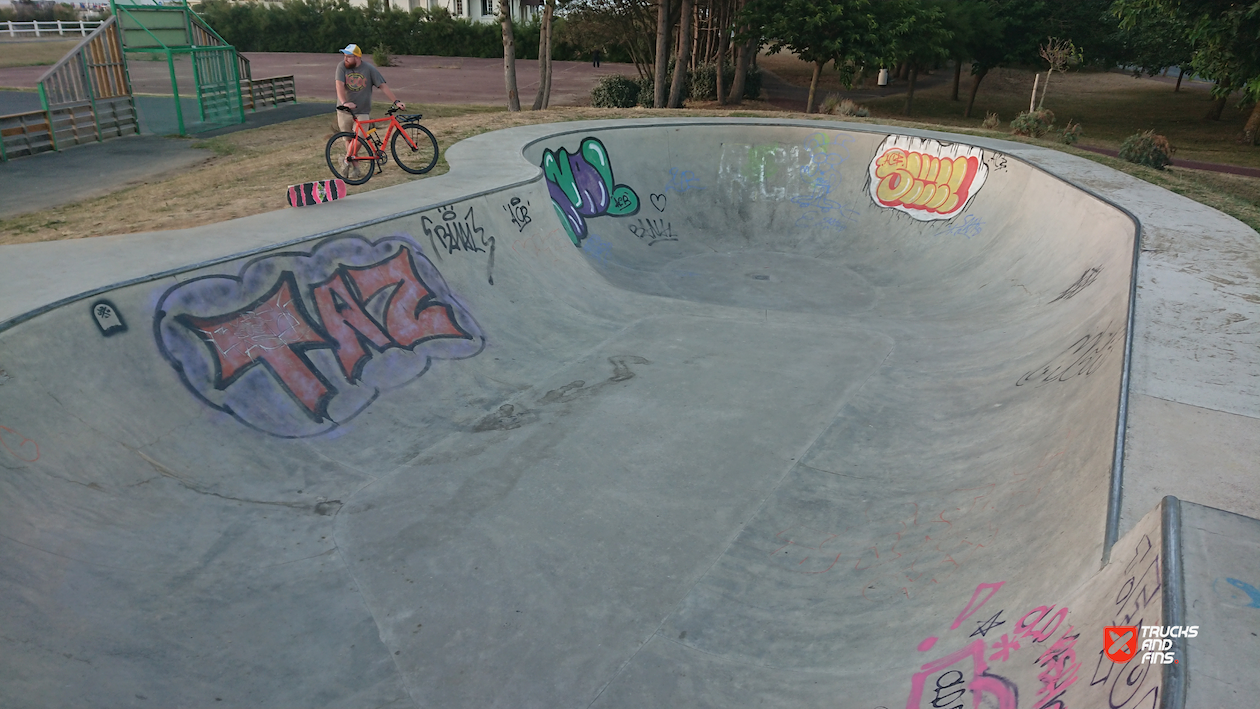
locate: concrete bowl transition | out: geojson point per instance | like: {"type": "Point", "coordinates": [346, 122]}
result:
{"type": "Point", "coordinates": [707, 413]}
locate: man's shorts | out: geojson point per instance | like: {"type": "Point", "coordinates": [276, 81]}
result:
{"type": "Point", "coordinates": [346, 122]}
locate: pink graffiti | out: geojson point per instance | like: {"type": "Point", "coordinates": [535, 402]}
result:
{"type": "Point", "coordinates": [980, 684]}
{"type": "Point", "coordinates": [972, 606]}
{"type": "Point", "coordinates": [1025, 628]}
{"type": "Point", "coordinates": [22, 452]}
{"type": "Point", "coordinates": [927, 644]}
{"type": "Point", "coordinates": [1059, 671]}
{"type": "Point", "coordinates": [1004, 646]}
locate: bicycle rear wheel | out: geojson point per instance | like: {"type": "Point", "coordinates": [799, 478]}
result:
{"type": "Point", "coordinates": [354, 167]}
{"type": "Point", "coordinates": [423, 157]}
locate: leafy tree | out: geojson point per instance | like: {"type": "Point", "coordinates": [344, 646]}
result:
{"type": "Point", "coordinates": [975, 24]}
{"type": "Point", "coordinates": [817, 31]}
{"type": "Point", "coordinates": [1017, 27]}
{"type": "Point", "coordinates": [1155, 40]}
{"type": "Point", "coordinates": [1225, 40]}
{"type": "Point", "coordinates": [914, 32]}
{"type": "Point", "coordinates": [621, 29]}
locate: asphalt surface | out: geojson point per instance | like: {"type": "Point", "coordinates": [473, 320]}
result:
{"type": "Point", "coordinates": [768, 437]}
{"type": "Point", "coordinates": [91, 170]}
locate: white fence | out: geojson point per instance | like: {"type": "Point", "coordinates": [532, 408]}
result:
{"type": "Point", "coordinates": [48, 29]}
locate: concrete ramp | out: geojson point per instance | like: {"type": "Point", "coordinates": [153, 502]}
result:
{"type": "Point", "coordinates": [701, 414]}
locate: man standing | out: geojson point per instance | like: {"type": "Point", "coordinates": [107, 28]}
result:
{"type": "Point", "coordinates": [355, 80]}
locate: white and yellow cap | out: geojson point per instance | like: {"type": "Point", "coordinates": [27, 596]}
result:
{"type": "Point", "coordinates": [352, 50]}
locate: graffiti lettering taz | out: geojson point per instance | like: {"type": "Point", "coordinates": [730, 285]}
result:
{"type": "Point", "coordinates": [582, 186]}
{"type": "Point", "coordinates": [925, 178]}
{"type": "Point", "coordinates": [299, 343]}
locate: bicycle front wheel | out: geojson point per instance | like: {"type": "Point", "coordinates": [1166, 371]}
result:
{"type": "Point", "coordinates": [350, 158]}
{"type": "Point", "coordinates": [420, 159]}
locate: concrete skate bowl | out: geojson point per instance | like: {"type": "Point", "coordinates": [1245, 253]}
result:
{"type": "Point", "coordinates": [703, 414]}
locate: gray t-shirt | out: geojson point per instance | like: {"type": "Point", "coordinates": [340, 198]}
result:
{"type": "Point", "coordinates": [359, 82]}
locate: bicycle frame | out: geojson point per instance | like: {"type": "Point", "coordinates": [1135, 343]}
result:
{"type": "Point", "coordinates": [361, 134]}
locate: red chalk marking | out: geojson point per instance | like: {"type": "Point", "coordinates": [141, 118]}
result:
{"type": "Point", "coordinates": [21, 444]}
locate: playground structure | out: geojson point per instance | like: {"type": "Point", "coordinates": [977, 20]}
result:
{"type": "Point", "coordinates": [88, 95]}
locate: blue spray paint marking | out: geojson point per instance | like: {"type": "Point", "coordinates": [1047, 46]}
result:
{"type": "Point", "coordinates": [970, 226]}
{"type": "Point", "coordinates": [682, 181]}
{"type": "Point", "coordinates": [597, 249]}
{"type": "Point", "coordinates": [1248, 589]}
{"type": "Point", "coordinates": [821, 176]}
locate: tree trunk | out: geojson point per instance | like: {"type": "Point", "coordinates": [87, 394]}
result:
{"type": "Point", "coordinates": [1218, 107]}
{"type": "Point", "coordinates": [662, 53]}
{"type": "Point", "coordinates": [914, 74]}
{"type": "Point", "coordinates": [1218, 102]}
{"type": "Point", "coordinates": [975, 86]}
{"type": "Point", "coordinates": [741, 72]}
{"type": "Point", "coordinates": [1252, 130]}
{"type": "Point", "coordinates": [509, 56]}
{"type": "Point", "coordinates": [678, 91]}
{"type": "Point", "coordinates": [544, 57]}
{"type": "Point", "coordinates": [551, 24]}
{"type": "Point", "coordinates": [1177, 88]}
{"type": "Point", "coordinates": [723, 42]}
{"type": "Point", "coordinates": [1044, 86]}
{"type": "Point", "coordinates": [813, 86]}
{"type": "Point", "coordinates": [953, 94]}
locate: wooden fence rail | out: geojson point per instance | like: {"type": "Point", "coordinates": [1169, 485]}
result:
{"type": "Point", "coordinates": [45, 29]}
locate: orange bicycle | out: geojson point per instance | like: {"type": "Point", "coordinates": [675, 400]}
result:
{"type": "Point", "coordinates": [354, 157]}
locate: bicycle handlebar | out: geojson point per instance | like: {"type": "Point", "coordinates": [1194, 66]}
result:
{"type": "Point", "coordinates": [393, 110]}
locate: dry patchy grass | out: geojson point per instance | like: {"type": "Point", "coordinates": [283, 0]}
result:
{"type": "Point", "coordinates": [246, 172]}
{"type": "Point", "coordinates": [35, 53]}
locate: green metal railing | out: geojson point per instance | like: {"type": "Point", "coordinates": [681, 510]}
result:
{"type": "Point", "coordinates": [174, 30]}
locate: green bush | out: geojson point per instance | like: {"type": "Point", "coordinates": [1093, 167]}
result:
{"type": "Point", "coordinates": [1147, 149]}
{"type": "Point", "coordinates": [991, 121]}
{"type": "Point", "coordinates": [1070, 134]}
{"type": "Point", "coordinates": [704, 81]}
{"type": "Point", "coordinates": [1035, 124]}
{"type": "Point", "coordinates": [381, 56]}
{"type": "Point", "coordinates": [325, 26]}
{"type": "Point", "coordinates": [615, 91]}
{"type": "Point", "coordinates": [834, 105]}
{"type": "Point", "coordinates": [647, 92]}
{"type": "Point", "coordinates": [701, 85]}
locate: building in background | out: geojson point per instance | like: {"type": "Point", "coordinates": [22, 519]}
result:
{"type": "Point", "coordinates": [474, 10]}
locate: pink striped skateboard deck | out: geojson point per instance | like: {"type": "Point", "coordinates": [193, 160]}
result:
{"type": "Point", "coordinates": [316, 192]}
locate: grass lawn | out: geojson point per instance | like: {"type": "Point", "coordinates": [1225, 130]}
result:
{"type": "Point", "coordinates": [35, 53]}
{"type": "Point", "coordinates": [1110, 106]}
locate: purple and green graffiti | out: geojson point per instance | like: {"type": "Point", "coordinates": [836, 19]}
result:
{"type": "Point", "coordinates": [582, 186]}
